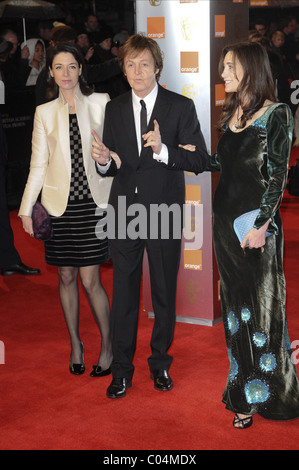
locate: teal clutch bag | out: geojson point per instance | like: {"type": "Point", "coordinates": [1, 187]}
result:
{"type": "Point", "coordinates": [244, 223]}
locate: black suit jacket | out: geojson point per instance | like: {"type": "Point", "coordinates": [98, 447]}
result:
{"type": "Point", "coordinates": [156, 183]}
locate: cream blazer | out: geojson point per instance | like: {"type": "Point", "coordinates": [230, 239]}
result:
{"type": "Point", "coordinates": [50, 165]}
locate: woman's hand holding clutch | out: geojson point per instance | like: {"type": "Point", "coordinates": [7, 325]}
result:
{"type": "Point", "coordinates": [256, 238]}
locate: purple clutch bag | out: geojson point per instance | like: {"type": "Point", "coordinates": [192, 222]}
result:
{"type": "Point", "coordinates": [41, 223]}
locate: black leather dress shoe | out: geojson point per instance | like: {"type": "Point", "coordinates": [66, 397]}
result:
{"type": "Point", "coordinates": [118, 387]}
{"type": "Point", "coordinates": [99, 372]}
{"type": "Point", "coordinates": [161, 379]}
{"type": "Point", "coordinates": [19, 268]}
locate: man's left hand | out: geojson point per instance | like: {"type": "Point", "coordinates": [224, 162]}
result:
{"type": "Point", "coordinates": [153, 139]}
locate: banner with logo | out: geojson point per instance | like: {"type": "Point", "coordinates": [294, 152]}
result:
{"type": "Point", "coordinates": [191, 34]}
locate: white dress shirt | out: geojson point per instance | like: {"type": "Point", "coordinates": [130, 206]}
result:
{"type": "Point", "coordinates": [150, 101]}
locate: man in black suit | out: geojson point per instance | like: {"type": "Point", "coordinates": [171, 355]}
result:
{"type": "Point", "coordinates": [148, 173]}
{"type": "Point", "coordinates": [10, 260]}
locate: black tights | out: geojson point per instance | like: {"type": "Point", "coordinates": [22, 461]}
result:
{"type": "Point", "coordinates": [99, 303]}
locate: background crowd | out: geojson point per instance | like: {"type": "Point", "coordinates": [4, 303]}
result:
{"type": "Point", "coordinates": [100, 39]}
{"type": "Point", "coordinates": [22, 59]}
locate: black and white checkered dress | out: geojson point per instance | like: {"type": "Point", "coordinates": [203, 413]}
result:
{"type": "Point", "coordinates": [75, 242]}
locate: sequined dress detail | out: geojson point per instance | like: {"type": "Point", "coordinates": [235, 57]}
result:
{"type": "Point", "coordinates": [253, 167]}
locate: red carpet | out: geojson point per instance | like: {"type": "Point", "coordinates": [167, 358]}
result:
{"type": "Point", "coordinates": [44, 407]}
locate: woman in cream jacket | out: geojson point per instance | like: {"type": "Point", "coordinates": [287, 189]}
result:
{"type": "Point", "coordinates": [74, 194]}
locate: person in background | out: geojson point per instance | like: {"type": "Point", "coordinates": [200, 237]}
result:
{"type": "Point", "coordinates": [102, 42]}
{"type": "Point", "coordinates": [290, 48]}
{"type": "Point", "coordinates": [278, 69]}
{"type": "Point", "coordinates": [44, 30]}
{"type": "Point", "coordinates": [118, 41]}
{"type": "Point", "coordinates": [252, 157]}
{"type": "Point", "coordinates": [10, 260]}
{"type": "Point", "coordinates": [83, 42]}
{"type": "Point", "coordinates": [36, 59]}
{"type": "Point", "coordinates": [91, 23]}
{"type": "Point", "coordinates": [15, 68]}
{"type": "Point", "coordinates": [277, 41]}
{"type": "Point", "coordinates": [118, 84]}
{"type": "Point", "coordinates": [103, 54]}
{"type": "Point", "coordinates": [72, 192]}
{"type": "Point", "coordinates": [260, 25]}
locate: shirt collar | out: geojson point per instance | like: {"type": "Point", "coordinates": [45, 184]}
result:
{"type": "Point", "coordinates": [149, 99]}
{"type": "Point", "coordinates": [78, 96]}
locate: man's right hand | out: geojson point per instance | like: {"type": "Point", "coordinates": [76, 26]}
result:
{"type": "Point", "coordinates": [101, 154]}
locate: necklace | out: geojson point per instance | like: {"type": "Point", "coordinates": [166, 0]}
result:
{"type": "Point", "coordinates": [235, 126]}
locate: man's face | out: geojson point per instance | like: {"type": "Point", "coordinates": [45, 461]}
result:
{"type": "Point", "coordinates": [12, 37]}
{"type": "Point", "coordinates": [260, 28]}
{"type": "Point", "coordinates": [92, 23]}
{"type": "Point", "coordinates": [292, 26]}
{"type": "Point", "coordinates": [141, 72]}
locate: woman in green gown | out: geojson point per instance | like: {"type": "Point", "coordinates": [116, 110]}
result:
{"type": "Point", "coordinates": [252, 157]}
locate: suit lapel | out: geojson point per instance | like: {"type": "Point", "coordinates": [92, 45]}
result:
{"type": "Point", "coordinates": [63, 127]}
{"type": "Point", "coordinates": [82, 110]}
{"type": "Point", "coordinates": [161, 108]}
{"type": "Point", "coordinates": [128, 120]}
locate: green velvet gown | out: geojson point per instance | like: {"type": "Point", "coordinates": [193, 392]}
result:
{"type": "Point", "coordinates": [253, 164]}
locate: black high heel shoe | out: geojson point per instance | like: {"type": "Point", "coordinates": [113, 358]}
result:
{"type": "Point", "coordinates": [78, 369]}
{"type": "Point", "coordinates": [99, 372]}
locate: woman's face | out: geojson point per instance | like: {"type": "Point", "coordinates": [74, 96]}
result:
{"type": "Point", "coordinates": [278, 41]}
{"type": "Point", "coordinates": [39, 52]}
{"type": "Point", "coordinates": [232, 73]}
{"type": "Point", "coordinates": [106, 44]}
{"type": "Point", "coordinates": [65, 71]}
{"type": "Point", "coordinates": [82, 40]}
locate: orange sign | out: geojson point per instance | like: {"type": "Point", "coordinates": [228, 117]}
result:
{"type": "Point", "coordinates": [193, 194]}
{"type": "Point", "coordinates": [219, 26]}
{"type": "Point", "coordinates": [259, 3]}
{"type": "Point", "coordinates": [156, 27]}
{"type": "Point", "coordinates": [193, 260]}
{"type": "Point", "coordinates": [219, 94]}
{"type": "Point", "coordinates": [189, 62]}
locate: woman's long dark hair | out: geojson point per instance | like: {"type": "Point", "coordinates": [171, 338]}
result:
{"type": "Point", "coordinates": [52, 52]}
{"type": "Point", "coordinates": [256, 86]}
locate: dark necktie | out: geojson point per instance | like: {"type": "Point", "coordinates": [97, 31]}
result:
{"type": "Point", "coordinates": [143, 120]}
